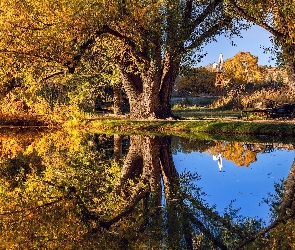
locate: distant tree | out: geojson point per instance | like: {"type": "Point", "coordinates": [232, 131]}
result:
{"type": "Point", "coordinates": [196, 81]}
{"type": "Point", "coordinates": [243, 68]}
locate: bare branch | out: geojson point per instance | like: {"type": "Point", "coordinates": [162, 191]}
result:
{"type": "Point", "coordinates": [52, 75]}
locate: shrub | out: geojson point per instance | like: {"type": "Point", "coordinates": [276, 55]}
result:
{"type": "Point", "coordinates": [265, 98]}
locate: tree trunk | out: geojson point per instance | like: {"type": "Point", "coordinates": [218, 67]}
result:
{"type": "Point", "coordinates": [290, 66]}
{"type": "Point", "coordinates": [117, 147]}
{"type": "Point", "coordinates": [149, 92]}
{"type": "Point", "coordinates": [151, 159]}
{"type": "Point", "coordinates": [117, 100]}
{"type": "Point", "coordinates": [288, 200]}
{"type": "Point", "coordinates": [289, 58]}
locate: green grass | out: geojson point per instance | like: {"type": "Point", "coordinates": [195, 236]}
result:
{"type": "Point", "coordinates": [206, 113]}
{"type": "Point", "coordinates": [203, 123]}
{"type": "Point", "coordinates": [203, 129]}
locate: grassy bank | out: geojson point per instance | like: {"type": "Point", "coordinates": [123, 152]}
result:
{"type": "Point", "coordinates": [207, 125]}
{"type": "Point", "coordinates": [210, 129]}
{"type": "Point", "coordinates": [206, 113]}
{"type": "Point", "coordinates": [207, 129]}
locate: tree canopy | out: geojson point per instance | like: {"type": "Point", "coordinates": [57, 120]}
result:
{"type": "Point", "coordinates": [146, 40]}
{"type": "Point", "coordinates": [275, 16]}
{"type": "Point", "coordinates": [137, 44]}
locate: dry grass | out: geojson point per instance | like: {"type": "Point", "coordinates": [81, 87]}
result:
{"type": "Point", "coordinates": [265, 98]}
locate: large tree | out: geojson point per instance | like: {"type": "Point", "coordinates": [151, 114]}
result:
{"type": "Point", "coordinates": [147, 40]}
{"type": "Point", "coordinates": [277, 17]}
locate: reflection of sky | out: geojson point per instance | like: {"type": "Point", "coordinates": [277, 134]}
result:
{"type": "Point", "coordinates": [247, 185]}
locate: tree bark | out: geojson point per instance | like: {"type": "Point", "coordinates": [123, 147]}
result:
{"type": "Point", "coordinates": [149, 92]}
{"type": "Point", "coordinates": [150, 159]}
{"type": "Point", "coordinates": [117, 147]}
{"type": "Point", "coordinates": [290, 66]}
{"type": "Point", "coordinates": [288, 201]}
{"type": "Point", "coordinates": [117, 100]}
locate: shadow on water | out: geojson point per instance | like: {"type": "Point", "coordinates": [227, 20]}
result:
{"type": "Point", "coordinates": [94, 191]}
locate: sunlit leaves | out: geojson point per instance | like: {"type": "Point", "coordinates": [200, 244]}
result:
{"type": "Point", "coordinates": [243, 68]}
{"type": "Point", "coordinates": [31, 200]}
{"type": "Point", "coordinates": [143, 38]}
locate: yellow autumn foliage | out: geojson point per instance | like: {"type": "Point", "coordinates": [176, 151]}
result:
{"type": "Point", "coordinates": [243, 68]}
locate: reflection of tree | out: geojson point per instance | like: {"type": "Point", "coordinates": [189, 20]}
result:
{"type": "Point", "coordinates": [11, 143]}
{"type": "Point", "coordinates": [234, 151]}
{"type": "Point", "coordinates": [150, 160]}
{"type": "Point", "coordinates": [287, 207]}
{"type": "Point", "coordinates": [80, 199]}
{"type": "Point", "coordinates": [238, 152]}
{"type": "Point", "coordinates": [280, 233]}
{"type": "Point", "coordinates": [240, 155]}
{"type": "Point", "coordinates": [186, 145]}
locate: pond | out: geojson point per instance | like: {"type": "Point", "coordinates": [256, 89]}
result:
{"type": "Point", "coordinates": [84, 190]}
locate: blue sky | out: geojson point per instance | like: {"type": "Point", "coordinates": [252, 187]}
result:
{"type": "Point", "coordinates": [251, 42]}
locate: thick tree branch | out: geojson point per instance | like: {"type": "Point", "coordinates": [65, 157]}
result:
{"type": "Point", "coordinates": [87, 215]}
{"type": "Point", "coordinates": [210, 8]}
{"type": "Point", "coordinates": [86, 45]}
{"type": "Point", "coordinates": [206, 231]}
{"type": "Point", "coordinates": [188, 12]}
{"type": "Point", "coordinates": [131, 45]}
{"type": "Point", "coordinates": [139, 194]}
{"type": "Point", "coordinates": [250, 18]}
{"type": "Point", "coordinates": [288, 200]}
{"type": "Point", "coordinates": [209, 33]}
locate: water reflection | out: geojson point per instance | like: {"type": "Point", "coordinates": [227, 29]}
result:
{"type": "Point", "coordinates": [218, 158]}
{"type": "Point", "coordinates": [89, 191]}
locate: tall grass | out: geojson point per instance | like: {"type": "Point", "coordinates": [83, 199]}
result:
{"type": "Point", "coordinates": [265, 98]}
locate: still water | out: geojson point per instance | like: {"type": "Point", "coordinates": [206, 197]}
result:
{"type": "Point", "coordinates": [84, 190]}
{"type": "Point", "coordinates": [245, 186]}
